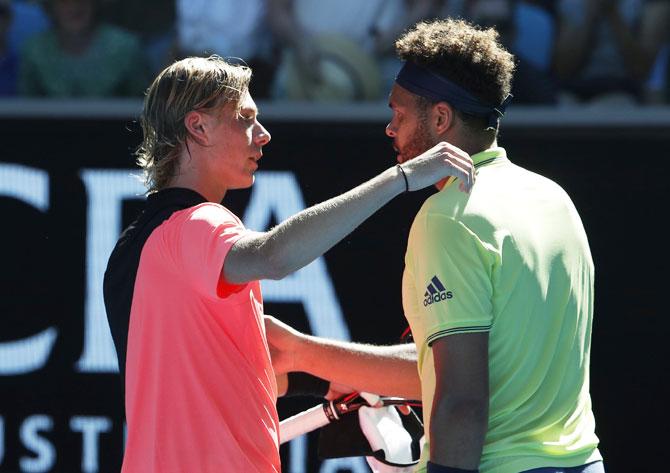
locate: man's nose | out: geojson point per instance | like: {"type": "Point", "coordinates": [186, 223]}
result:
{"type": "Point", "coordinates": [263, 137]}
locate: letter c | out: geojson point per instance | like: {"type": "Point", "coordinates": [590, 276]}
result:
{"type": "Point", "coordinates": [28, 354]}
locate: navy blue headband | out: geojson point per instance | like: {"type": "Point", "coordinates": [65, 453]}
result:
{"type": "Point", "coordinates": [428, 84]}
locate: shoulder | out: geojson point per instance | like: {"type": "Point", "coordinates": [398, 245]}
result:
{"type": "Point", "coordinates": [541, 183]}
{"type": "Point", "coordinates": [200, 225]}
{"type": "Point", "coordinates": [210, 213]}
{"type": "Point", "coordinates": [440, 218]}
{"type": "Point", "coordinates": [448, 202]}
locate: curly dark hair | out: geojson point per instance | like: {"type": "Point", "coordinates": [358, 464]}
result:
{"type": "Point", "coordinates": [468, 55]}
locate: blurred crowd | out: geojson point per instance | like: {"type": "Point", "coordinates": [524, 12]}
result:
{"type": "Point", "coordinates": [568, 51]}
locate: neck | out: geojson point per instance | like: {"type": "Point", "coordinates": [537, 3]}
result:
{"type": "Point", "coordinates": [484, 147]}
{"type": "Point", "coordinates": [468, 143]}
{"type": "Point", "coordinates": [210, 193]}
{"type": "Point", "coordinates": [196, 178]}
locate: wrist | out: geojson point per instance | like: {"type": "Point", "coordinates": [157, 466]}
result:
{"type": "Point", "coordinates": [404, 176]}
{"type": "Point", "coordinates": [435, 468]}
{"type": "Point", "coordinates": [397, 181]}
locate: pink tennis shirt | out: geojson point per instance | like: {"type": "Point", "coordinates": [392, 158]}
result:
{"type": "Point", "coordinates": [200, 388]}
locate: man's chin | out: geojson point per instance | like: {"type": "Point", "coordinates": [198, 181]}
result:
{"type": "Point", "coordinates": [244, 184]}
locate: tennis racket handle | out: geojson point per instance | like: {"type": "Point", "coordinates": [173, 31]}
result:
{"type": "Point", "coordinates": [302, 423]}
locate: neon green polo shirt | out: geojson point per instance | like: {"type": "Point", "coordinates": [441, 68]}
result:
{"type": "Point", "coordinates": [511, 259]}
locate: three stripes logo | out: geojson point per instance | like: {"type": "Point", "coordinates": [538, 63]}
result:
{"type": "Point", "coordinates": [436, 292]}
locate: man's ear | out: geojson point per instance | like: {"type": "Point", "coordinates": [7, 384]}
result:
{"type": "Point", "coordinates": [196, 127]}
{"type": "Point", "coordinates": [444, 117]}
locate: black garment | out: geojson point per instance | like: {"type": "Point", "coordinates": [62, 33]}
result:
{"type": "Point", "coordinates": [121, 272]}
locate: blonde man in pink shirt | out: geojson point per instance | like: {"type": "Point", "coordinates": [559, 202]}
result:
{"type": "Point", "coordinates": [182, 286]}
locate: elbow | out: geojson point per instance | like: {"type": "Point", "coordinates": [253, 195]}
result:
{"type": "Point", "coordinates": [277, 272]}
{"type": "Point", "coordinates": [276, 264]}
{"type": "Point", "coordinates": [275, 268]}
{"type": "Point", "coordinates": [255, 258]}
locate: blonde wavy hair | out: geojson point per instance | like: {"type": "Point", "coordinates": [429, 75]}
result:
{"type": "Point", "coordinates": [194, 83]}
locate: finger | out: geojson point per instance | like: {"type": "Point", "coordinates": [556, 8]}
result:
{"type": "Point", "coordinates": [464, 161]}
{"type": "Point", "coordinates": [468, 170]}
{"type": "Point", "coordinates": [456, 150]}
{"type": "Point", "coordinates": [463, 174]}
{"type": "Point", "coordinates": [404, 409]}
{"type": "Point", "coordinates": [463, 188]}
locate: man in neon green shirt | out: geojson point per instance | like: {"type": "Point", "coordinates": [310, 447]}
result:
{"type": "Point", "coordinates": [497, 288]}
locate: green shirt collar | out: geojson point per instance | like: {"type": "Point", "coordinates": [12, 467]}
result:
{"type": "Point", "coordinates": [483, 158]}
{"type": "Point", "coordinates": [488, 156]}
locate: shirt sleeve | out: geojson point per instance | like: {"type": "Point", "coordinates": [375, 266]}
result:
{"type": "Point", "coordinates": [451, 272]}
{"type": "Point", "coordinates": [206, 236]}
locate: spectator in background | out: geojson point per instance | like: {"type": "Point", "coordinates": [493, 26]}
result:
{"type": "Point", "coordinates": [19, 20]}
{"type": "Point", "coordinates": [8, 58]}
{"type": "Point", "coordinates": [28, 19]}
{"type": "Point", "coordinates": [231, 29]}
{"type": "Point", "coordinates": [81, 57]}
{"type": "Point", "coordinates": [606, 48]}
{"type": "Point", "coordinates": [528, 29]}
{"type": "Point", "coordinates": [339, 49]}
{"type": "Point", "coordinates": [153, 21]}
{"type": "Point", "coordinates": [657, 86]}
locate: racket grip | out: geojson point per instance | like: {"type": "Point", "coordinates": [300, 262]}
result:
{"type": "Point", "coordinates": [303, 422]}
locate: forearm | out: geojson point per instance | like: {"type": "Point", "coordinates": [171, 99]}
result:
{"type": "Point", "coordinates": [387, 370]}
{"type": "Point", "coordinates": [457, 432]}
{"type": "Point", "coordinates": [459, 414]}
{"type": "Point", "coordinates": [305, 236]}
